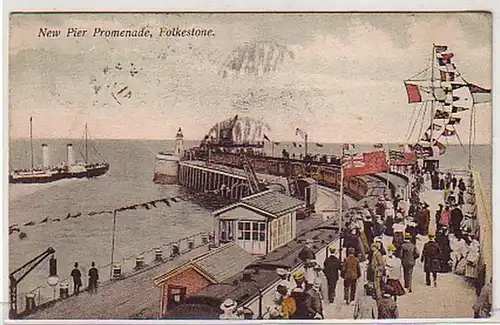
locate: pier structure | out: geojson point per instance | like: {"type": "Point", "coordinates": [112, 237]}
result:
{"type": "Point", "coordinates": [204, 177]}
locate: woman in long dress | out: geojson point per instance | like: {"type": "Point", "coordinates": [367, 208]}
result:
{"type": "Point", "coordinates": [472, 261]}
{"type": "Point", "coordinates": [444, 243]}
{"type": "Point", "coordinates": [393, 270]}
{"type": "Point", "coordinates": [398, 227]}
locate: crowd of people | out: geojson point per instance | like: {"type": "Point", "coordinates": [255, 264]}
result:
{"type": "Point", "coordinates": [451, 245]}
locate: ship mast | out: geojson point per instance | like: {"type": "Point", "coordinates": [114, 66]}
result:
{"type": "Point", "coordinates": [86, 148]}
{"type": "Point", "coordinates": [433, 94]}
{"type": "Point", "coordinates": [31, 144]}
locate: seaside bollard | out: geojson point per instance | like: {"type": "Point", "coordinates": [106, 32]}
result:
{"type": "Point", "coordinates": [139, 262]}
{"type": "Point", "coordinates": [158, 254]}
{"type": "Point", "coordinates": [64, 290]}
{"type": "Point", "coordinates": [190, 243]}
{"type": "Point", "coordinates": [30, 301]}
{"type": "Point", "coordinates": [175, 250]}
{"type": "Point", "coordinates": [117, 271]}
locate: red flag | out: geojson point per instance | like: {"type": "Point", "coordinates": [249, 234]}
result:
{"type": "Point", "coordinates": [370, 163]}
{"type": "Point", "coordinates": [413, 93]}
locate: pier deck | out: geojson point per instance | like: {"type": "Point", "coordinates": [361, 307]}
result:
{"type": "Point", "coordinates": [132, 297]}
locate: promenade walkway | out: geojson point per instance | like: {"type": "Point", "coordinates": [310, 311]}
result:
{"type": "Point", "coordinates": [452, 298]}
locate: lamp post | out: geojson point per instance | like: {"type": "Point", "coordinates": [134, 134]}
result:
{"type": "Point", "coordinates": [112, 246]}
{"type": "Point", "coordinates": [53, 278]}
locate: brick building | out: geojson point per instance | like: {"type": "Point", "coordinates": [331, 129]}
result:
{"type": "Point", "coordinates": [194, 275]}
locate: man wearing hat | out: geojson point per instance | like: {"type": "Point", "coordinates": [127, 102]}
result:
{"type": "Point", "coordinates": [424, 220]}
{"type": "Point", "coordinates": [316, 304]}
{"type": "Point", "coordinates": [430, 257]}
{"type": "Point", "coordinates": [351, 272]}
{"type": "Point", "coordinates": [409, 254]}
{"type": "Point", "coordinates": [307, 253]}
{"type": "Point", "coordinates": [387, 308]}
{"type": "Point", "coordinates": [228, 308]}
{"type": "Point", "coordinates": [331, 268]}
{"type": "Point", "coordinates": [299, 279]}
{"type": "Point", "coordinates": [456, 217]}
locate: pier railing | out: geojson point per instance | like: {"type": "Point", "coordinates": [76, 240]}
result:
{"type": "Point", "coordinates": [45, 295]}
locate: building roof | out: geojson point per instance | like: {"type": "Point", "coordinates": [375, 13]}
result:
{"type": "Point", "coordinates": [270, 203]}
{"type": "Point", "coordinates": [224, 262]}
{"type": "Point", "coordinates": [264, 275]}
{"type": "Point", "coordinates": [273, 202]}
{"type": "Point", "coordinates": [216, 265]}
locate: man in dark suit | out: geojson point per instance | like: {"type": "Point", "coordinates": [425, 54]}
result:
{"type": "Point", "coordinates": [331, 268]}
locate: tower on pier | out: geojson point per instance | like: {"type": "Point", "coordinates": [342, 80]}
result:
{"type": "Point", "coordinates": [179, 143]}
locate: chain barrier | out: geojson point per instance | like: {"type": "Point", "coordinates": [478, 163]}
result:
{"type": "Point", "coordinates": [45, 293]}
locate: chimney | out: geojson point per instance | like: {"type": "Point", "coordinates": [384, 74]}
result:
{"type": "Point", "coordinates": [45, 156]}
{"type": "Point", "coordinates": [247, 275]}
{"type": "Point", "coordinates": [71, 155]}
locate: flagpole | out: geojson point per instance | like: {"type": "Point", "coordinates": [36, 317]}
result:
{"type": "Point", "coordinates": [272, 149]}
{"type": "Point", "coordinates": [341, 199]}
{"type": "Point", "coordinates": [388, 165]}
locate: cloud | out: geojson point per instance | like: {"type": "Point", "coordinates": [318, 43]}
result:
{"type": "Point", "coordinates": [347, 73]}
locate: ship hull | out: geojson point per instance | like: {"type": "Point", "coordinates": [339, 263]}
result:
{"type": "Point", "coordinates": [40, 179]}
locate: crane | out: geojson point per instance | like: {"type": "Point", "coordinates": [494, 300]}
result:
{"type": "Point", "coordinates": [226, 133]}
{"type": "Point", "coordinates": [18, 275]}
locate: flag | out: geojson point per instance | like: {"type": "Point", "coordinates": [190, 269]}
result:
{"type": "Point", "coordinates": [406, 158]}
{"type": "Point", "coordinates": [413, 91]}
{"type": "Point", "coordinates": [395, 155]}
{"type": "Point", "coordinates": [448, 132]}
{"type": "Point", "coordinates": [479, 94]}
{"type": "Point", "coordinates": [441, 115]}
{"type": "Point", "coordinates": [353, 160]}
{"type": "Point", "coordinates": [349, 146]}
{"type": "Point", "coordinates": [447, 75]}
{"type": "Point", "coordinates": [457, 109]}
{"type": "Point", "coordinates": [441, 147]}
{"type": "Point", "coordinates": [364, 164]}
{"type": "Point", "coordinates": [447, 56]}
{"type": "Point", "coordinates": [454, 120]}
{"type": "Point", "coordinates": [319, 145]}
{"type": "Point", "coordinates": [266, 138]}
{"type": "Point", "coordinates": [436, 127]}
{"type": "Point", "coordinates": [300, 133]}
{"type": "Point", "coordinates": [440, 48]}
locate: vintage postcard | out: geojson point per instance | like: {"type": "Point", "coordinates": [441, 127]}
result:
{"type": "Point", "coordinates": [250, 165]}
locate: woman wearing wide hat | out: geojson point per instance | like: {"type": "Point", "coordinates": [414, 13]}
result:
{"type": "Point", "coordinates": [393, 267]}
{"type": "Point", "coordinates": [228, 308]}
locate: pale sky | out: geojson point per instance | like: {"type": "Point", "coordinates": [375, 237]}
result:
{"type": "Point", "coordinates": [343, 81]}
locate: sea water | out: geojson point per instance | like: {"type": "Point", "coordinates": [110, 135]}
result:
{"type": "Point", "coordinates": [129, 181]}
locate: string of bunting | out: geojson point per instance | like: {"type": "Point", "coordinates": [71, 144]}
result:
{"type": "Point", "coordinates": [146, 205]}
